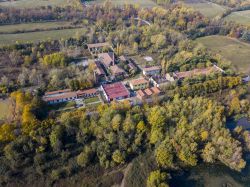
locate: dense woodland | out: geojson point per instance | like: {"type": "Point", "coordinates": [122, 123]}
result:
{"type": "Point", "coordinates": [43, 147]}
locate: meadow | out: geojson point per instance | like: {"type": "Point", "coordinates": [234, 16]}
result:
{"type": "Point", "coordinates": [241, 17]}
{"type": "Point", "coordinates": [208, 9]}
{"type": "Point", "coordinates": [33, 3]}
{"type": "Point", "coordinates": [8, 39]}
{"type": "Point", "coordinates": [4, 107]}
{"type": "Point", "coordinates": [141, 3]}
{"type": "Point", "coordinates": [25, 27]}
{"type": "Point", "coordinates": [231, 49]}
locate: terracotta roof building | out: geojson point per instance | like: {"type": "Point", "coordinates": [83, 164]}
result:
{"type": "Point", "coordinates": [115, 91]}
{"type": "Point", "coordinates": [138, 84]}
{"type": "Point", "coordinates": [196, 72]}
{"type": "Point", "coordinates": [99, 72]}
{"type": "Point", "coordinates": [87, 93]}
{"type": "Point", "coordinates": [107, 59]}
{"type": "Point", "coordinates": [145, 94]}
{"type": "Point", "coordinates": [59, 96]}
{"type": "Point", "coordinates": [117, 72]}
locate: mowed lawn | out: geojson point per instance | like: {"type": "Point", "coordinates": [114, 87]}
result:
{"type": "Point", "coordinates": [141, 3]}
{"type": "Point", "coordinates": [208, 9]}
{"type": "Point", "coordinates": [232, 49]}
{"type": "Point", "coordinates": [33, 26]}
{"type": "Point", "coordinates": [7, 39]}
{"type": "Point", "coordinates": [241, 17]}
{"type": "Point", "coordinates": [4, 108]}
{"type": "Point", "coordinates": [34, 3]}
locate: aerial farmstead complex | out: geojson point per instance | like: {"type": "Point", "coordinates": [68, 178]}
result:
{"type": "Point", "coordinates": [111, 75]}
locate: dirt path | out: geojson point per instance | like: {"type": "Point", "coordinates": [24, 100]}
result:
{"type": "Point", "coordinates": [126, 170]}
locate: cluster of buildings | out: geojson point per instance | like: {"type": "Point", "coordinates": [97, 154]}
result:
{"type": "Point", "coordinates": [109, 74]}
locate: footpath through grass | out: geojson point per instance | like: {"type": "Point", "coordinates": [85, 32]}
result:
{"type": "Point", "coordinates": [231, 49]}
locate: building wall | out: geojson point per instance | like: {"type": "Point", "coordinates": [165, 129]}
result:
{"type": "Point", "coordinates": [139, 86]}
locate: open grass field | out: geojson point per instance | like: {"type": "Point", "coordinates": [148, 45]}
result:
{"type": "Point", "coordinates": [208, 9]}
{"type": "Point", "coordinates": [33, 3]}
{"type": "Point", "coordinates": [32, 26]}
{"type": "Point", "coordinates": [7, 39]}
{"type": "Point", "coordinates": [141, 3]}
{"type": "Point", "coordinates": [231, 49]}
{"type": "Point", "coordinates": [4, 107]}
{"type": "Point", "coordinates": [241, 17]}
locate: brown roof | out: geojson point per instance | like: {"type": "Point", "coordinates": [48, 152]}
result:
{"type": "Point", "coordinates": [156, 90]}
{"type": "Point", "coordinates": [115, 90]}
{"type": "Point", "coordinates": [139, 81]}
{"type": "Point", "coordinates": [106, 58]}
{"type": "Point", "coordinates": [116, 70]}
{"type": "Point", "coordinates": [59, 96]}
{"type": "Point", "coordinates": [148, 92]}
{"type": "Point", "coordinates": [153, 68]}
{"type": "Point", "coordinates": [195, 72]}
{"type": "Point", "coordinates": [57, 92]}
{"type": "Point", "coordinates": [99, 70]}
{"type": "Point", "coordinates": [98, 45]}
{"type": "Point", "coordinates": [140, 93]}
{"type": "Point", "coordinates": [89, 91]}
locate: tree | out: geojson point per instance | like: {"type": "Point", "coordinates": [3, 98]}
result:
{"type": "Point", "coordinates": [118, 157]}
{"type": "Point", "coordinates": [157, 179]}
{"type": "Point", "coordinates": [164, 155]}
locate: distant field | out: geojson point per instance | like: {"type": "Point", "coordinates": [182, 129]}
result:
{"type": "Point", "coordinates": [34, 3]}
{"type": "Point", "coordinates": [241, 17]}
{"type": "Point", "coordinates": [4, 107]}
{"type": "Point", "coordinates": [32, 26]}
{"type": "Point", "coordinates": [141, 3]}
{"type": "Point", "coordinates": [208, 9]}
{"type": "Point", "coordinates": [6, 39]}
{"type": "Point", "coordinates": [234, 50]}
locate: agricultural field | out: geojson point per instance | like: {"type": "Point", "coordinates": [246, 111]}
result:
{"type": "Point", "coordinates": [4, 107]}
{"type": "Point", "coordinates": [208, 9]}
{"type": "Point", "coordinates": [241, 17]}
{"type": "Point", "coordinates": [141, 3]}
{"type": "Point", "coordinates": [231, 49]}
{"type": "Point", "coordinates": [7, 39]}
{"type": "Point", "coordinates": [25, 27]}
{"type": "Point", "coordinates": [33, 3]}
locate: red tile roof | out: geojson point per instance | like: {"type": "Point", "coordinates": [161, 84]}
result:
{"type": "Point", "coordinates": [57, 92]}
{"type": "Point", "coordinates": [59, 96]}
{"type": "Point", "coordinates": [116, 70]}
{"type": "Point", "coordinates": [116, 90]}
{"type": "Point", "coordinates": [89, 91]}
{"type": "Point", "coordinates": [148, 92]}
{"type": "Point", "coordinates": [139, 81]}
{"type": "Point", "coordinates": [106, 58]}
